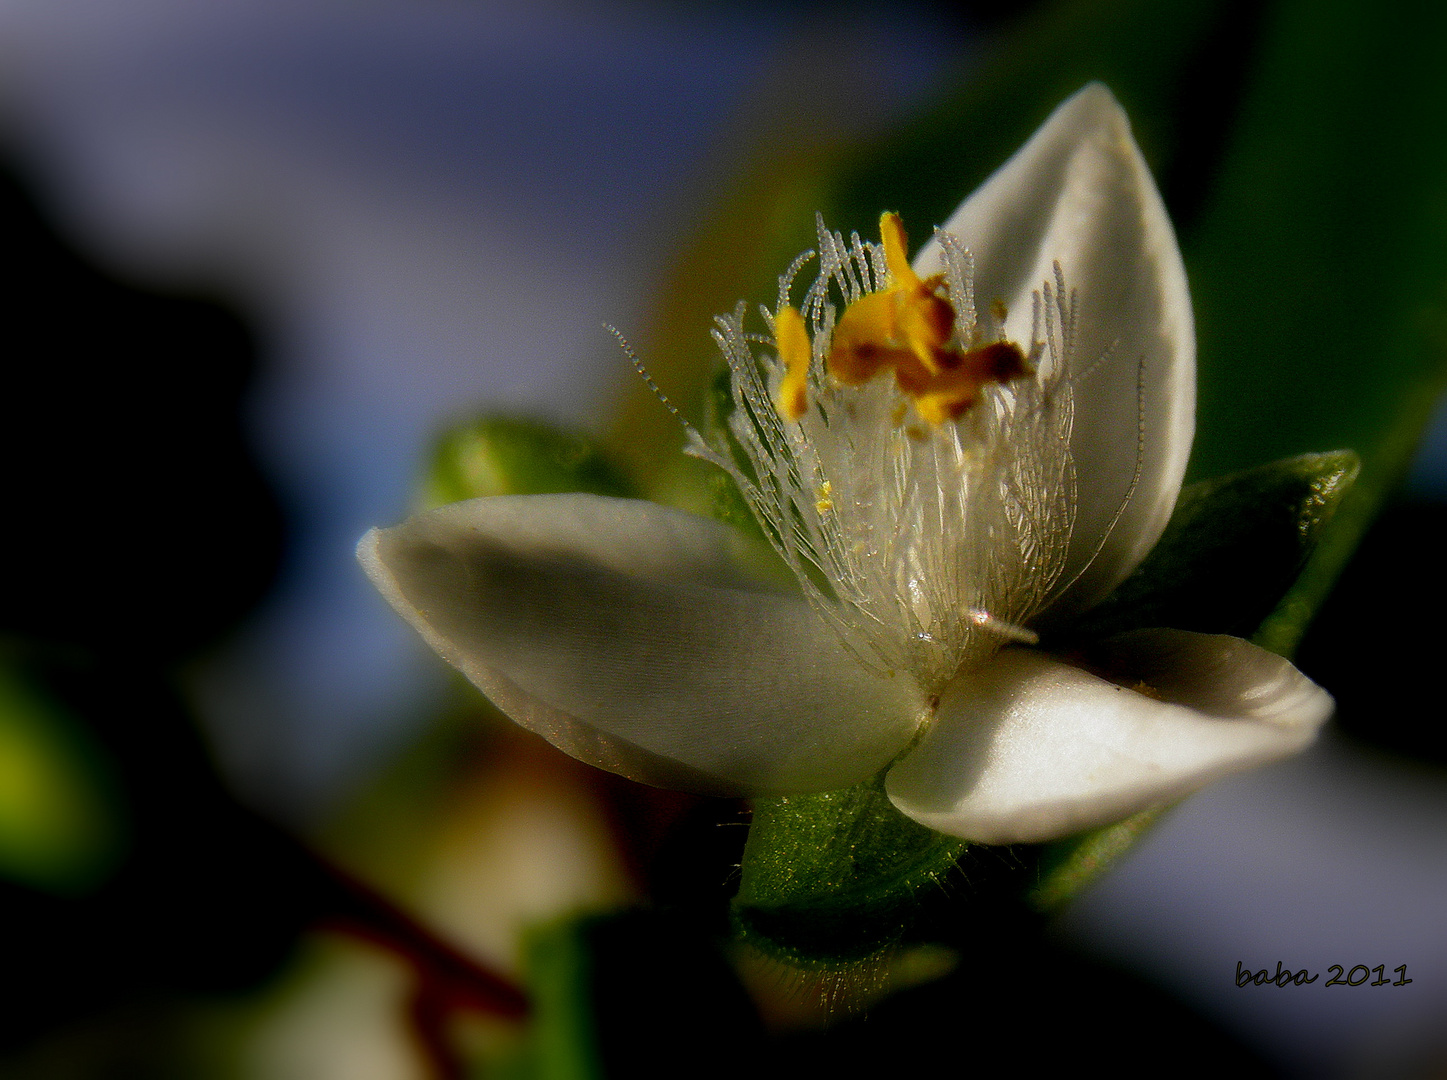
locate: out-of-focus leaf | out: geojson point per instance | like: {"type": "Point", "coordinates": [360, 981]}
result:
{"type": "Point", "coordinates": [621, 994]}
{"type": "Point", "coordinates": [1319, 264]}
{"type": "Point", "coordinates": [60, 825]}
{"type": "Point", "coordinates": [509, 455]}
{"type": "Point", "coordinates": [1374, 641]}
{"type": "Point", "coordinates": [561, 1042]}
{"type": "Point", "coordinates": [1069, 865]}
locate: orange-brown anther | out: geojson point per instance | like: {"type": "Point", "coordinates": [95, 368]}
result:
{"type": "Point", "coordinates": [909, 326]}
{"type": "Point", "coordinates": [905, 324]}
{"type": "Point", "coordinates": [948, 395]}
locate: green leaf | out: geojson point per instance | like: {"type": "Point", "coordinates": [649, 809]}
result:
{"type": "Point", "coordinates": [508, 455]}
{"type": "Point", "coordinates": [1318, 266]}
{"type": "Point", "coordinates": [561, 1042]}
{"type": "Point", "coordinates": [837, 876]}
{"type": "Point", "coordinates": [1233, 549]}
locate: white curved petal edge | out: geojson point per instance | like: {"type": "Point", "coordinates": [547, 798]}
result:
{"type": "Point", "coordinates": [1030, 748]}
{"type": "Point", "coordinates": [631, 636]}
{"type": "Point", "coordinates": [1080, 193]}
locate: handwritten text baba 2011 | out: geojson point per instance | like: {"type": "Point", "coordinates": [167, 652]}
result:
{"type": "Point", "coordinates": [1286, 977]}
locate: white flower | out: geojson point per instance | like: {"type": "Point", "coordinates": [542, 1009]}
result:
{"type": "Point", "coordinates": [947, 481]}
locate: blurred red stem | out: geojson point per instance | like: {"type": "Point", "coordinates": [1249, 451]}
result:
{"type": "Point", "coordinates": [446, 976]}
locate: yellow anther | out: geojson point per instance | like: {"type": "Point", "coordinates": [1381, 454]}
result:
{"type": "Point", "coordinates": [896, 251]}
{"type": "Point", "coordinates": [824, 503]}
{"type": "Point", "coordinates": [909, 327]}
{"type": "Point", "coordinates": [865, 339]}
{"type": "Point", "coordinates": [791, 338]}
{"type": "Point", "coordinates": [935, 409]}
{"type": "Point", "coordinates": [953, 392]}
{"type": "Point", "coordinates": [906, 325]}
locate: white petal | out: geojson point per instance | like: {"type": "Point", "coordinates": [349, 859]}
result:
{"type": "Point", "coordinates": [627, 634]}
{"type": "Point", "coordinates": [1029, 748]}
{"type": "Point", "coordinates": [1080, 193]}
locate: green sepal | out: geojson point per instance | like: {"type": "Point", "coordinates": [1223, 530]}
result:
{"type": "Point", "coordinates": [837, 876]}
{"type": "Point", "coordinates": [1067, 866]}
{"type": "Point", "coordinates": [1233, 548]}
{"type": "Point", "coordinates": [509, 455]}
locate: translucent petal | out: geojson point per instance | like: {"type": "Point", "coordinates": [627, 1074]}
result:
{"type": "Point", "coordinates": [1079, 193]}
{"type": "Point", "coordinates": [1030, 748]}
{"type": "Point", "coordinates": [629, 635]}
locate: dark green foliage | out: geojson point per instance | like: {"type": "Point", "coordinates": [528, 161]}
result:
{"type": "Point", "coordinates": [1068, 865]}
{"type": "Point", "coordinates": [61, 817]}
{"type": "Point", "coordinates": [625, 995]}
{"type": "Point", "coordinates": [1232, 550]}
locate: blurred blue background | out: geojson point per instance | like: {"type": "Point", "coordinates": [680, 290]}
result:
{"type": "Point", "coordinates": [427, 209]}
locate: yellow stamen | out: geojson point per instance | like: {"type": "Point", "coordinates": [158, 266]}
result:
{"type": "Point", "coordinates": [792, 339]}
{"type": "Point", "coordinates": [904, 325]}
{"type": "Point", "coordinates": [909, 327]}
{"type": "Point", "coordinates": [896, 251]}
{"type": "Point", "coordinates": [953, 392]}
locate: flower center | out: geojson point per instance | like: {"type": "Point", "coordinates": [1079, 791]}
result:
{"type": "Point", "coordinates": [927, 544]}
{"type": "Point", "coordinates": [907, 326]}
